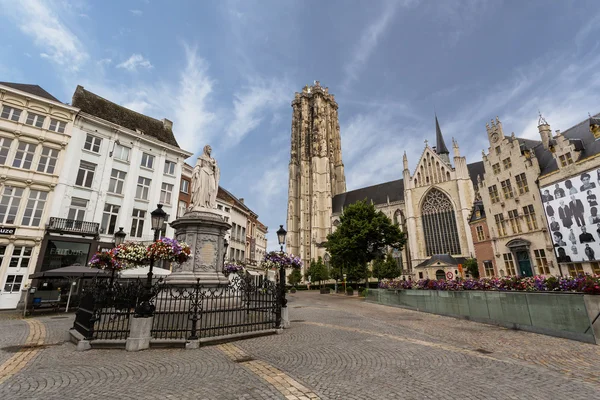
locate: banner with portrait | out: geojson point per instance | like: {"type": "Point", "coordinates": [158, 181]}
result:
{"type": "Point", "coordinates": [572, 211]}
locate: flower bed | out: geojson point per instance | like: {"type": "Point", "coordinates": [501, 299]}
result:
{"type": "Point", "coordinates": [588, 284]}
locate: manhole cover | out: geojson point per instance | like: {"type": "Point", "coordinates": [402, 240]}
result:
{"type": "Point", "coordinates": [298, 320]}
{"type": "Point", "coordinates": [244, 359]}
{"type": "Point", "coordinates": [483, 351]}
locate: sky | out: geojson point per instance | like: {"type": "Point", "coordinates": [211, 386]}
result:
{"type": "Point", "coordinates": [225, 73]}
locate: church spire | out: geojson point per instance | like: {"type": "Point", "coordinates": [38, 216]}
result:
{"type": "Point", "coordinates": [440, 146]}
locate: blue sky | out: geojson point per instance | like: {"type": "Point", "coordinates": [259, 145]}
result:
{"type": "Point", "coordinates": [226, 71]}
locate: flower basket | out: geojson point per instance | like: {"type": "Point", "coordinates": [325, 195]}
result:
{"type": "Point", "coordinates": [277, 259]}
{"type": "Point", "coordinates": [106, 260]}
{"type": "Point", "coordinates": [232, 268]}
{"type": "Point", "coordinates": [132, 254]}
{"type": "Point", "coordinates": [169, 250]}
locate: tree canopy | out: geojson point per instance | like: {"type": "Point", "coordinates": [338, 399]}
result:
{"type": "Point", "coordinates": [317, 271]}
{"type": "Point", "coordinates": [387, 268]}
{"type": "Point", "coordinates": [362, 235]}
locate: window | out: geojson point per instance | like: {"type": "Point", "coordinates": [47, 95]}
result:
{"type": "Point", "coordinates": [595, 267]}
{"type": "Point", "coordinates": [496, 168]}
{"type": "Point", "coordinates": [227, 209]}
{"type": "Point", "coordinates": [36, 120]}
{"type": "Point", "coordinates": [77, 209]}
{"type": "Point", "coordinates": [92, 143]}
{"type": "Point", "coordinates": [494, 197]}
{"type": "Point", "coordinates": [575, 269]}
{"type": "Point", "coordinates": [185, 187]}
{"type": "Point", "coordinates": [85, 175]}
{"type": "Point", "coordinates": [497, 149]}
{"type": "Point", "coordinates": [529, 213]}
{"type": "Point", "coordinates": [117, 180]}
{"type": "Point", "coordinates": [11, 113]}
{"type": "Point", "coordinates": [169, 168]}
{"type": "Point", "coordinates": [57, 126]}
{"type": "Point", "coordinates": [143, 187]}
{"type": "Point", "coordinates": [522, 183]}
{"type": "Point", "coordinates": [13, 283]}
{"type": "Point", "coordinates": [509, 264]}
{"type": "Point", "coordinates": [500, 224]}
{"type": "Point", "coordinates": [48, 160]}
{"type": "Point", "coordinates": [507, 189]}
{"type": "Point", "coordinates": [515, 222]}
{"type": "Point", "coordinates": [21, 256]}
{"type": "Point", "coordinates": [137, 223]}
{"type": "Point", "coordinates": [506, 162]}
{"type": "Point", "coordinates": [9, 205]}
{"type": "Point", "coordinates": [4, 148]}
{"type": "Point", "coordinates": [488, 268]}
{"type": "Point", "coordinates": [24, 155]}
{"type": "Point", "coordinates": [2, 253]}
{"type": "Point", "coordinates": [219, 207]}
{"type": "Point", "coordinates": [480, 234]}
{"type": "Point", "coordinates": [439, 224]}
{"type": "Point", "coordinates": [35, 208]}
{"type": "Point", "coordinates": [109, 218]}
{"type": "Point", "coordinates": [565, 159]}
{"type": "Point", "coordinates": [165, 193]}
{"type": "Point", "coordinates": [121, 152]}
{"type": "Point", "coordinates": [541, 262]}
{"type": "Point", "coordinates": [181, 208]}
{"type": "Point", "coordinates": [147, 161]}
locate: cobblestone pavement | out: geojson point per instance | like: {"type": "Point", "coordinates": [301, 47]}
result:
{"type": "Point", "coordinates": [337, 348]}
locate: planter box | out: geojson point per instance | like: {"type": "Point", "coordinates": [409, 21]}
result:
{"type": "Point", "coordinates": [568, 315]}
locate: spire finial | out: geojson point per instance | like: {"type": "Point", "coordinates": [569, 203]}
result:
{"type": "Point", "coordinates": [440, 146]}
{"type": "Point", "coordinates": [541, 120]}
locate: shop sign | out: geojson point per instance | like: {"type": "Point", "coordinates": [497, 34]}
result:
{"type": "Point", "coordinates": [7, 231]}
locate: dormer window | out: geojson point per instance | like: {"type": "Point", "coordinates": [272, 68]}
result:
{"type": "Point", "coordinates": [565, 159]}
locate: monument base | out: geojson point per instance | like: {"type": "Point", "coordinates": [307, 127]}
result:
{"type": "Point", "coordinates": [204, 231]}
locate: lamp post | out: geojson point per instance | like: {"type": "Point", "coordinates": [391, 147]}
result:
{"type": "Point", "coordinates": [281, 238]}
{"type": "Point", "coordinates": [145, 309]}
{"type": "Point", "coordinates": [119, 239]}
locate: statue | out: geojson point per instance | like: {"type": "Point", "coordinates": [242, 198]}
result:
{"type": "Point", "coordinates": [205, 181]}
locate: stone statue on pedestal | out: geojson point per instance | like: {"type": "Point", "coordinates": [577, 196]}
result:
{"type": "Point", "coordinates": [205, 182]}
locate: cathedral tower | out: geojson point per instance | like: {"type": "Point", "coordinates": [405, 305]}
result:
{"type": "Point", "coordinates": [316, 171]}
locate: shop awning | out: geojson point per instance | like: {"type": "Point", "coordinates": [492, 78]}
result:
{"type": "Point", "coordinates": [142, 272]}
{"type": "Point", "coordinates": [73, 271]}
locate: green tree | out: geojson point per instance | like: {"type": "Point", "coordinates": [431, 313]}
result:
{"type": "Point", "coordinates": [387, 268]}
{"type": "Point", "coordinates": [362, 235]}
{"type": "Point", "coordinates": [295, 277]}
{"type": "Point", "coordinates": [472, 267]}
{"type": "Point", "coordinates": [378, 268]}
{"type": "Point", "coordinates": [317, 271]}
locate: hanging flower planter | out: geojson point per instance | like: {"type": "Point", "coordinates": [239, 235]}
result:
{"type": "Point", "coordinates": [106, 260]}
{"type": "Point", "coordinates": [277, 259]}
{"type": "Point", "coordinates": [132, 254]}
{"type": "Point", "coordinates": [169, 250]}
{"type": "Point", "coordinates": [232, 268]}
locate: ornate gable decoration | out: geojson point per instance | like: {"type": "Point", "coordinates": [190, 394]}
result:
{"type": "Point", "coordinates": [431, 169]}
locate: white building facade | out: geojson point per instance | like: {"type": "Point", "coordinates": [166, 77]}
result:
{"type": "Point", "coordinates": [35, 129]}
{"type": "Point", "coordinates": [121, 165]}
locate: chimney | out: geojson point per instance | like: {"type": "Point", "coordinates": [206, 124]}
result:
{"type": "Point", "coordinates": [167, 124]}
{"type": "Point", "coordinates": [242, 200]}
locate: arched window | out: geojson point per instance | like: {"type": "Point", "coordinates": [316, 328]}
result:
{"type": "Point", "coordinates": [439, 224]}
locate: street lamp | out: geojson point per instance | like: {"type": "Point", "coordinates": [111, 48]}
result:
{"type": "Point", "coordinates": [145, 309]}
{"type": "Point", "coordinates": [119, 239]}
{"type": "Point", "coordinates": [281, 238]}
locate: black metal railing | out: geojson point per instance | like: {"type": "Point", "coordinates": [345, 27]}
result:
{"type": "Point", "coordinates": [65, 225]}
{"type": "Point", "coordinates": [246, 305]}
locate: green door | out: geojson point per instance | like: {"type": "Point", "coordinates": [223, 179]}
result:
{"type": "Point", "coordinates": [524, 263]}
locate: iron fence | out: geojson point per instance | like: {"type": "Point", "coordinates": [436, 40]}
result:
{"type": "Point", "coordinates": [246, 305]}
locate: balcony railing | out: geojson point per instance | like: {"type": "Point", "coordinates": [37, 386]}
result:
{"type": "Point", "coordinates": [64, 225]}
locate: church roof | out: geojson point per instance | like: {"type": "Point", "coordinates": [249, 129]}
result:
{"type": "Point", "coordinates": [440, 146]}
{"type": "Point", "coordinates": [99, 107]}
{"type": "Point", "coordinates": [388, 191]}
{"type": "Point", "coordinates": [31, 89]}
{"type": "Point", "coordinates": [446, 259]}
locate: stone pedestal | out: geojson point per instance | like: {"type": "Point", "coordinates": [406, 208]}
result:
{"type": "Point", "coordinates": [140, 330]}
{"type": "Point", "coordinates": [285, 318]}
{"type": "Point", "coordinates": [204, 231]}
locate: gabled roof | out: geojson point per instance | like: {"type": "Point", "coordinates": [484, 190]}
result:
{"type": "Point", "coordinates": [99, 107]}
{"type": "Point", "coordinates": [442, 259]}
{"type": "Point", "coordinates": [31, 89]}
{"type": "Point", "coordinates": [378, 194]}
{"type": "Point", "coordinates": [477, 206]}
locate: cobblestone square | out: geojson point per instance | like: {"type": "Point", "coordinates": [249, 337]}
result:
{"type": "Point", "coordinates": [337, 348]}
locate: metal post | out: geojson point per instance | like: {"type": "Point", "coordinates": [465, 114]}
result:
{"type": "Point", "coordinates": [149, 280]}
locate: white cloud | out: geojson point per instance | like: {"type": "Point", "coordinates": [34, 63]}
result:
{"type": "Point", "coordinates": [252, 103]}
{"type": "Point", "coordinates": [40, 20]}
{"type": "Point", "coordinates": [134, 62]}
{"type": "Point", "coordinates": [105, 61]}
{"type": "Point", "coordinates": [137, 13]}
{"type": "Point", "coordinates": [368, 42]}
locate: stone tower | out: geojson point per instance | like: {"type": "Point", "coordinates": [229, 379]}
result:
{"type": "Point", "coordinates": [316, 171]}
